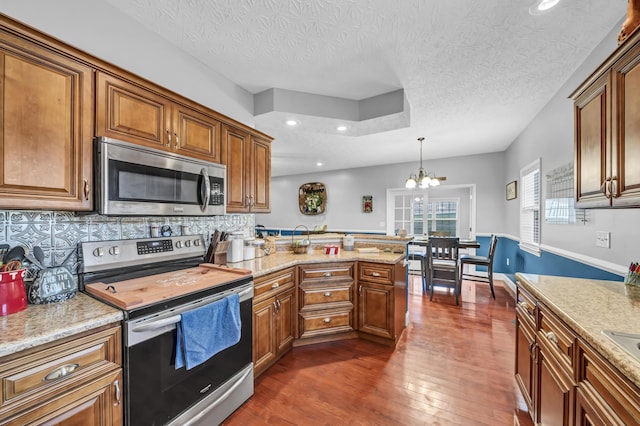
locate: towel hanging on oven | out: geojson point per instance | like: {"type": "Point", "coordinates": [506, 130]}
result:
{"type": "Point", "coordinates": [205, 331]}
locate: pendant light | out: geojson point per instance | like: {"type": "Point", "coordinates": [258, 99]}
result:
{"type": "Point", "coordinates": [422, 179]}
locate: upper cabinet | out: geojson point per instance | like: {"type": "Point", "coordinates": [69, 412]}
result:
{"type": "Point", "coordinates": [248, 161]}
{"type": "Point", "coordinates": [607, 131]}
{"type": "Point", "coordinates": [46, 125]}
{"type": "Point", "coordinates": [136, 114]}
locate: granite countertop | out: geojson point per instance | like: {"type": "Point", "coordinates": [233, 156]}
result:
{"type": "Point", "coordinates": [280, 260]}
{"type": "Point", "coordinates": [588, 307]}
{"type": "Point", "coordinates": [40, 324]}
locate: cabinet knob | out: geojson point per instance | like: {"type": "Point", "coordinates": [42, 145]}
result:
{"type": "Point", "coordinates": [327, 294]}
{"type": "Point", "coordinates": [375, 274]}
{"type": "Point", "coordinates": [552, 338]}
{"type": "Point", "coordinates": [613, 187]}
{"type": "Point", "coordinates": [168, 138]}
{"type": "Point", "coordinates": [275, 285]}
{"type": "Point", "coordinates": [61, 371]}
{"type": "Point", "coordinates": [177, 140]}
{"type": "Point", "coordinates": [86, 189]}
{"type": "Point", "coordinates": [116, 385]}
{"type": "Point", "coordinates": [326, 274]}
{"type": "Point", "coordinates": [326, 320]}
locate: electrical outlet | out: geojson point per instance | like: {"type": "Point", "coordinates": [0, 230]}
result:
{"type": "Point", "coordinates": [603, 239]}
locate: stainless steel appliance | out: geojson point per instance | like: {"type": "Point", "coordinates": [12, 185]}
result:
{"type": "Point", "coordinates": [154, 281]}
{"type": "Point", "coordinates": [135, 180]}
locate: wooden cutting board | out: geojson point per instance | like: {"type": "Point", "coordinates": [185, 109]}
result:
{"type": "Point", "coordinates": [143, 291]}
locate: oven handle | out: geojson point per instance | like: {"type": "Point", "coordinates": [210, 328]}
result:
{"type": "Point", "coordinates": [157, 324]}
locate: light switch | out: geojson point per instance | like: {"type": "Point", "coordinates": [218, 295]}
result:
{"type": "Point", "coordinates": [603, 239]}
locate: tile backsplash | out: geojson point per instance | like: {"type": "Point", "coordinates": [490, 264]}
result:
{"type": "Point", "coordinates": [58, 233]}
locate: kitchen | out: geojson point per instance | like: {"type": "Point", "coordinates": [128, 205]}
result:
{"type": "Point", "coordinates": [549, 136]}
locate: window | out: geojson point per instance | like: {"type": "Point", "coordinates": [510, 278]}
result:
{"type": "Point", "coordinates": [414, 211]}
{"type": "Point", "coordinates": [530, 208]}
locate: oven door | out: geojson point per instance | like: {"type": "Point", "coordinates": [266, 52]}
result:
{"type": "Point", "coordinates": [135, 180]}
{"type": "Point", "coordinates": [155, 392]}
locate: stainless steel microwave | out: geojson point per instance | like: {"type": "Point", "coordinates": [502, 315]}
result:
{"type": "Point", "coordinates": [132, 180]}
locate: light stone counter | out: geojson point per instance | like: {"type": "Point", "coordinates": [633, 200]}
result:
{"type": "Point", "coordinates": [588, 307]}
{"type": "Point", "coordinates": [40, 324]}
{"type": "Point", "coordinates": [280, 260]}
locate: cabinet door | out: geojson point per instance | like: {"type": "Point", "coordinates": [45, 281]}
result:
{"type": "Point", "coordinates": [525, 367]}
{"type": "Point", "coordinates": [554, 393]}
{"type": "Point", "coordinates": [264, 335]}
{"type": "Point", "coordinates": [196, 134]}
{"type": "Point", "coordinates": [46, 128]}
{"type": "Point", "coordinates": [98, 403]}
{"type": "Point", "coordinates": [261, 175]}
{"type": "Point", "coordinates": [592, 144]}
{"type": "Point", "coordinates": [285, 325]}
{"type": "Point", "coordinates": [130, 113]}
{"type": "Point", "coordinates": [376, 309]}
{"type": "Point", "coordinates": [626, 173]}
{"type": "Point", "coordinates": [235, 152]}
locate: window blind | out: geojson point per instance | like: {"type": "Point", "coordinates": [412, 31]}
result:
{"type": "Point", "coordinates": [530, 208]}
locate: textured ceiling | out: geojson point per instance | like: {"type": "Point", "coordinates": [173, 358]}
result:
{"type": "Point", "coordinates": [475, 73]}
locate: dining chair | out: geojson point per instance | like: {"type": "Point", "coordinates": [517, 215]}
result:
{"type": "Point", "coordinates": [442, 256]}
{"type": "Point", "coordinates": [422, 271]}
{"type": "Point", "coordinates": [468, 259]}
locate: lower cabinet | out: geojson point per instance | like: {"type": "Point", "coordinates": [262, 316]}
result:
{"type": "Point", "coordinates": [74, 381]}
{"type": "Point", "coordinates": [525, 365]}
{"type": "Point", "coordinates": [274, 313]}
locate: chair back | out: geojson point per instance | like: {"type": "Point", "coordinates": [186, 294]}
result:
{"type": "Point", "coordinates": [443, 248]}
{"type": "Point", "coordinates": [492, 247]}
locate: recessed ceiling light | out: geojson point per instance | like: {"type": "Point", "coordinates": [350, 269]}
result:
{"type": "Point", "coordinates": [291, 122]}
{"type": "Point", "coordinates": [542, 6]}
{"type": "Point", "coordinates": [341, 128]}
{"type": "Point", "coordinates": [319, 163]}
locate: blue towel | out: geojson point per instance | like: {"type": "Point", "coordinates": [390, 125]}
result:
{"type": "Point", "coordinates": [205, 331]}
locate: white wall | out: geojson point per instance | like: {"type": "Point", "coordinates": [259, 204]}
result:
{"type": "Point", "coordinates": [345, 189]}
{"type": "Point", "coordinates": [550, 136]}
{"type": "Point", "coordinates": [104, 32]}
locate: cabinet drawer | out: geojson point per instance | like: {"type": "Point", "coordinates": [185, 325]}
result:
{"type": "Point", "coordinates": [38, 374]}
{"type": "Point", "coordinates": [325, 297]}
{"type": "Point", "coordinates": [526, 307]}
{"type": "Point", "coordinates": [269, 285]}
{"type": "Point", "coordinates": [325, 322]}
{"type": "Point", "coordinates": [376, 273]}
{"type": "Point", "coordinates": [327, 272]}
{"type": "Point", "coordinates": [607, 389]}
{"type": "Point", "coordinates": [560, 341]}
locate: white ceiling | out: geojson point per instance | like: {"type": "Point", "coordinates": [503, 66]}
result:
{"type": "Point", "coordinates": [474, 73]}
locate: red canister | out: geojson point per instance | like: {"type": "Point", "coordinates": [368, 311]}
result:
{"type": "Point", "coordinates": [13, 297]}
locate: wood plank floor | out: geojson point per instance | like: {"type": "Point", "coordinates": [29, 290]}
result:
{"type": "Point", "coordinates": [453, 366]}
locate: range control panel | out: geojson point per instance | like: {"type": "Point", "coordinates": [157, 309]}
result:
{"type": "Point", "coordinates": [102, 255]}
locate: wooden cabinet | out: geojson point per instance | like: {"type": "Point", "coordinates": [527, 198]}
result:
{"type": "Point", "coordinates": [326, 299]}
{"type": "Point", "coordinates": [607, 131]}
{"type": "Point", "coordinates": [136, 114]}
{"type": "Point", "coordinates": [525, 363]}
{"type": "Point", "coordinates": [77, 380]}
{"type": "Point", "coordinates": [604, 396]}
{"type": "Point", "coordinates": [274, 313]}
{"type": "Point", "coordinates": [248, 161]}
{"type": "Point", "coordinates": [46, 125]}
{"type": "Point", "coordinates": [381, 301]}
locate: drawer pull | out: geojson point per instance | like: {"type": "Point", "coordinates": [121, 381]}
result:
{"type": "Point", "coordinates": [552, 338]}
{"type": "Point", "coordinates": [275, 285]}
{"type": "Point", "coordinates": [327, 294]}
{"type": "Point", "coordinates": [326, 320]}
{"type": "Point", "coordinates": [61, 372]}
{"type": "Point", "coordinates": [327, 274]}
{"type": "Point", "coordinates": [375, 274]}
{"type": "Point", "coordinates": [116, 384]}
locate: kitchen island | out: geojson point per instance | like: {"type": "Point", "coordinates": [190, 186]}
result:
{"type": "Point", "coordinates": [568, 370]}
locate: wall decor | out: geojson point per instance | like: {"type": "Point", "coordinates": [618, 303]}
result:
{"type": "Point", "coordinates": [367, 204]}
{"type": "Point", "coordinates": [312, 198]}
{"type": "Point", "coordinates": [512, 190]}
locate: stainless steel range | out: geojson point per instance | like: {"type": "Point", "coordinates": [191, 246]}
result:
{"type": "Point", "coordinates": [157, 282]}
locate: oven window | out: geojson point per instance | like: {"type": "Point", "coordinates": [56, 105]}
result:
{"type": "Point", "coordinates": [157, 392]}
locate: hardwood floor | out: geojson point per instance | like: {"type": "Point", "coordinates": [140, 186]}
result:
{"type": "Point", "coordinates": [452, 366]}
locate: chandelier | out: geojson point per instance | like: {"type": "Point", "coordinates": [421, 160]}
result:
{"type": "Point", "coordinates": [422, 179]}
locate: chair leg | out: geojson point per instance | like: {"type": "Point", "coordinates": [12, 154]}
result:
{"type": "Point", "coordinates": [493, 294]}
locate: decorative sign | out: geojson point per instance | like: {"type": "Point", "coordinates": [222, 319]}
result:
{"type": "Point", "coordinates": [367, 204]}
{"type": "Point", "coordinates": [312, 198]}
{"type": "Point", "coordinates": [52, 285]}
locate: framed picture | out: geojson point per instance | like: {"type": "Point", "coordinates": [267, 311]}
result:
{"type": "Point", "coordinates": [367, 204]}
{"type": "Point", "coordinates": [512, 190]}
